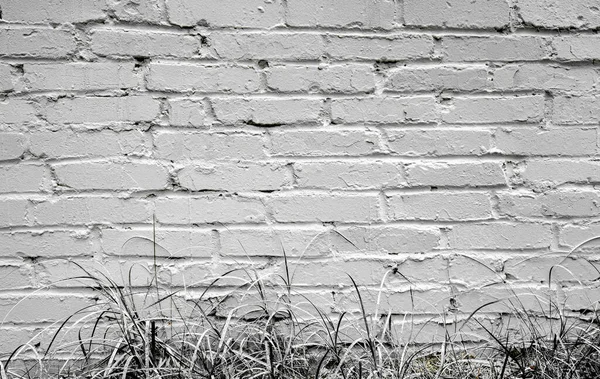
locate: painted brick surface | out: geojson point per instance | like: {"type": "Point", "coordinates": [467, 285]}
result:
{"type": "Point", "coordinates": [453, 142]}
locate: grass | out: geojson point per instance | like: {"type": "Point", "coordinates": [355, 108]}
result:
{"type": "Point", "coordinates": [264, 328]}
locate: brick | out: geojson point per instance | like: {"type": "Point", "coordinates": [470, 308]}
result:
{"type": "Point", "coordinates": [439, 206]}
{"type": "Point", "coordinates": [36, 43]}
{"type": "Point", "coordinates": [177, 243]}
{"type": "Point", "coordinates": [79, 76]}
{"type": "Point", "coordinates": [474, 174]}
{"type": "Point", "coordinates": [12, 212]}
{"type": "Point", "coordinates": [147, 11]}
{"type": "Point", "coordinates": [371, 14]}
{"type": "Point", "coordinates": [371, 48]}
{"type": "Point", "coordinates": [324, 142]}
{"type": "Point", "coordinates": [474, 272]}
{"type": "Point", "coordinates": [303, 242]}
{"type": "Point", "coordinates": [581, 48]}
{"type": "Point", "coordinates": [186, 112]}
{"type": "Point", "coordinates": [17, 111]}
{"type": "Point", "coordinates": [53, 11]}
{"type": "Point", "coordinates": [15, 276]}
{"type": "Point", "coordinates": [89, 210]}
{"type": "Point", "coordinates": [321, 79]}
{"type": "Point", "coordinates": [438, 142]}
{"type": "Point", "coordinates": [235, 177]}
{"type": "Point", "coordinates": [537, 268]}
{"type": "Point", "coordinates": [225, 13]}
{"type": "Point", "coordinates": [554, 14]}
{"type": "Point", "coordinates": [209, 209]}
{"type": "Point", "coordinates": [290, 46]}
{"type": "Point", "coordinates": [561, 172]}
{"type": "Point", "coordinates": [336, 273]}
{"type": "Point", "coordinates": [209, 146]}
{"type": "Point", "coordinates": [24, 178]}
{"type": "Point", "coordinates": [266, 112]}
{"type": "Point", "coordinates": [480, 48]}
{"type": "Point", "coordinates": [43, 308]}
{"type": "Point", "coordinates": [12, 145]}
{"type": "Point", "coordinates": [576, 110]}
{"type": "Point", "coordinates": [48, 244]}
{"type": "Point", "coordinates": [544, 77]}
{"type": "Point", "coordinates": [408, 79]}
{"type": "Point", "coordinates": [124, 176]}
{"type": "Point", "coordinates": [102, 109]}
{"type": "Point", "coordinates": [143, 44]}
{"type": "Point", "coordinates": [575, 235]}
{"type": "Point", "coordinates": [545, 142]}
{"type": "Point", "coordinates": [324, 208]}
{"type": "Point", "coordinates": [500, 236]}
{"type": "Point", "coordinates": [384, 239]}
{"type": "Point", "coordinates": [495, 110]}
{"type": "Point", "coordinates": [202, 78]}
{"type": "Point", "coordinates": [551, 204]}
{"type": "Point", "coordinates": [6, 78]}
{"type": "Point", "coordinates": [386, 110]}
{"type": "Point", "coordinates": [348, 175]}
{"type": "Point", "coordinates": [484, 14]}
{"type": "Point", "coordinates": [102, 143]}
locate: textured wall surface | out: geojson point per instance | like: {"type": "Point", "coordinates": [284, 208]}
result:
{"type": "Point", "coordinates": [453, 142]}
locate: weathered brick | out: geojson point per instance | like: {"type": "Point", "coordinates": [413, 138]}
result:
{"type": "Point", "coordinates": [324, 142]}
{"type": "Point", "coordinates": [576, 110]}
{"type": "Point", "coordinates": [24, 178]}
{"type": "Point", "coordinates": [440, 206]}
{"type": "Point", "coordinates": [536, 141]}
{"type": "Point", "coordinates": [48, 244]}
{"type": "Point", "coordinates": [371, 14]}
{"type": "Point", "coordinates": [209, 209]}
{"type": "Point", "coordinates": [147, 11]}
{"type": "Point", "coordinates": [178, 243]}
{"type": "Point", "coordinates": [79, 76]}
{"type": "Point", "coordinates": [396, 48]}
{"type": "Point", "coordinates": [6, 78]}
{"type": "Point", "coordinates": [267, 111]}
{"type": "Point", "coordinates": [483, 48]}
{"type": "Point", "coordinates": [386, 110]}
{"type": "Point", "coordinates": [210, 146]}
{"type": "Point", "coordinates": [36, 43]}
{"type": "Point", "coordinates": [349, 175]}
{"type": "Point", "coordinates": [102, 143]}
{"type": "Point", "coordinates": [500, 236]}
{"type": "Point", "coordinates": [327, 79]}
{"type": "Point", "coordinates": [225, 13]}
{"type": "Point", "coordinates": [102, 109]}
{"type": "Point", "coordinates": [580, 48]}
{"type": "Point", "coordinates": [474, 174]}
{"type": "Point", "coordinates": [574, 235]}
{"type": "Point", "coordinates": [553, 14]}
{"type": "Point", "coordinates": [544, 77]}
{"type": "Point", "coordinates": [89, 210]}
{"type": "Point", "coordinates": [495, 110]}
{"type": "Point", "coordinates": [143, 43]}
{"type": "Point", "coordinates": [384, 239]}
{"type": "Point", "coordinates": [438, 142]}
{"type": "Point", "coordinates": [537, 268]}
{"type": "Point", "coordinates": [407, 79]}
{"type": "Point", "coordinates": [12, 145]}
{"type": "Point", "coordinates": [561, 172]}
{"type": "Point", "coordinates": [53, 11]}
{"type": "Point", "coordinates": [474, 272]}
{"type": "Point", "coordinates": [43, 307]}
{"type": "Point", "coordinates": [16, 276]}
{"type": "Point", "coordinates": [457, 13]}
{"type": "Point", "coordinates": [296, 242]}
{"type": "Point", "coordinates": [17, 111]}
{"type": "Point", "coordinates": [289, 46]}
{"type": "Point", "coordinates": [550, 204]}
{"type": "Point", "coordinates": [324, 208]}
{"type": "Point", "coordinates": [129, 176]}
{"type": "Point", "coordinates": [235, 177]}
{"type": "Point", "coordinates": [202, 78]}
{"type": "Point", "coordinates": [336, 273]}
{"type": "Point", "coordinates": [186, 112]}
{"type": "Point", "coordinates": [12, 212]}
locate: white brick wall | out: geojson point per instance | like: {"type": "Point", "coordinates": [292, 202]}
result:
{"type": "Point", "coordinates": [425, 135]}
